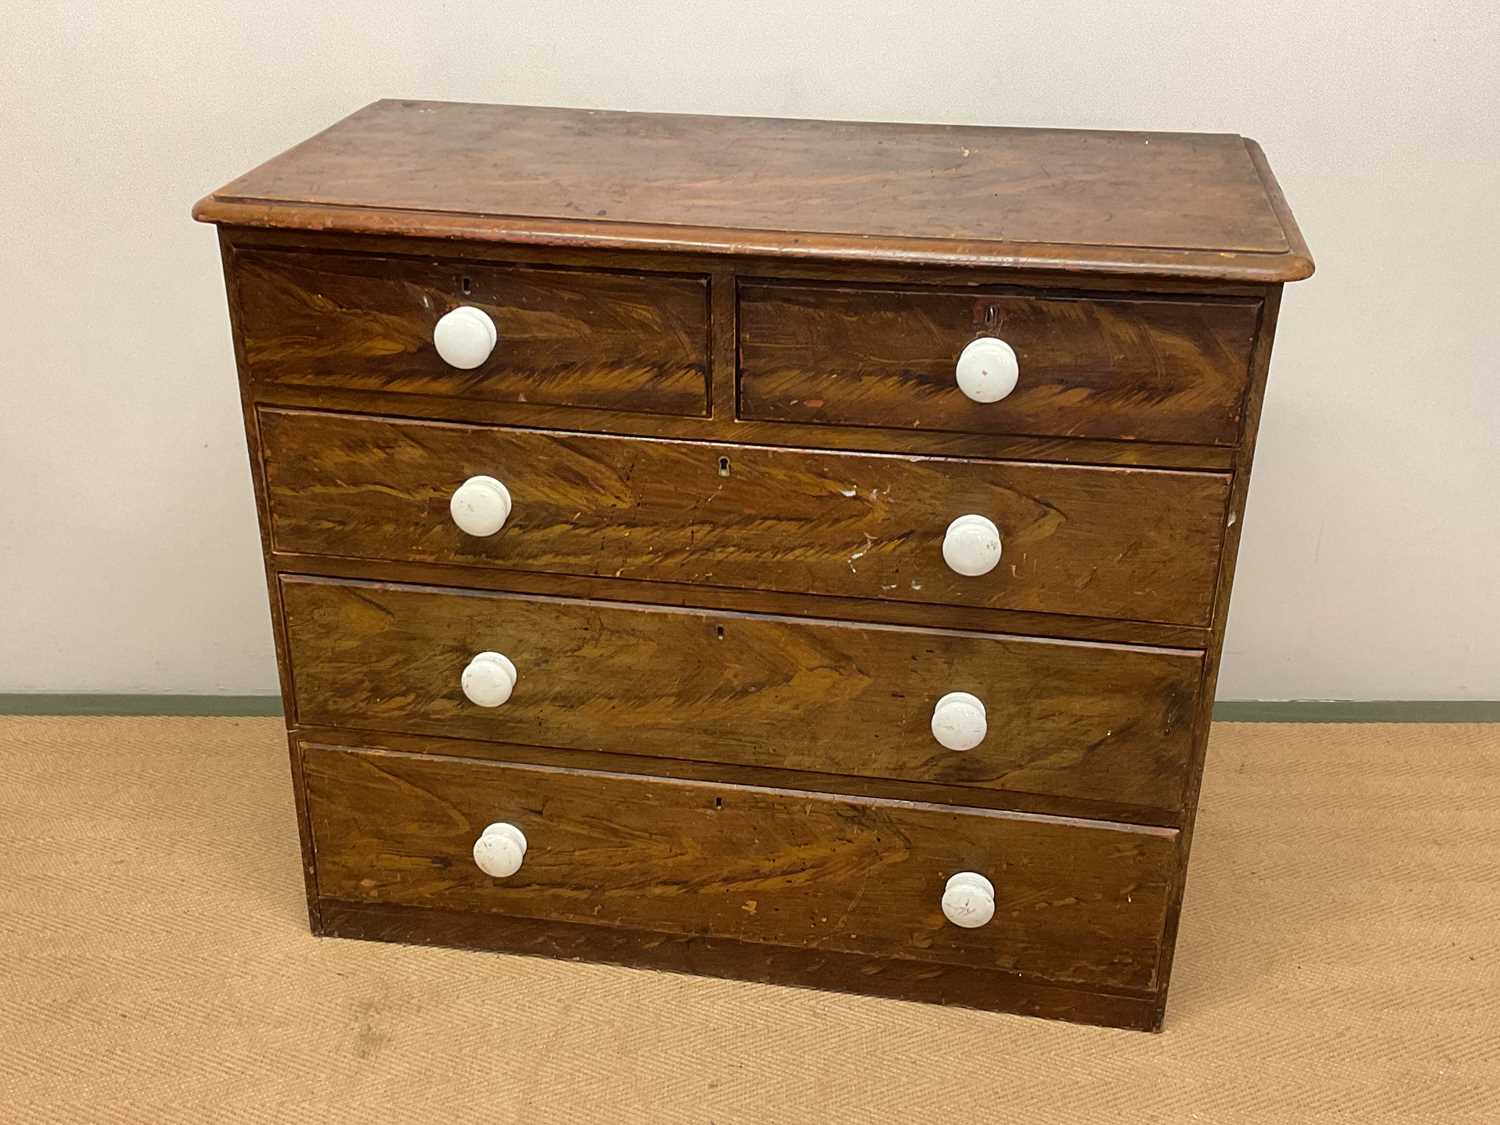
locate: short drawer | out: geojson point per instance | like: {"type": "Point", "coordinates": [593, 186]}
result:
{"type": "Point", "coordinates": [1073, 901]}
{"type": "Point", "coordinates": [1128, 544]}
{"type": "Point", "coordinates": [619, 341]}
{"type": "Point", "coordinates": [1090, 367]}
{"type": "Point", "coordinates": [1096, 722]}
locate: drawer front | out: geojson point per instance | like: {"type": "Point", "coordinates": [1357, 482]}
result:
{"type": "Point", "coordinates": [1131, 544]}
{"type": "Point", "coordinates": [1150, 370]}
{"type": "Point", "coordinates": [565, 337]}
{"type": "Point", "coordinates": [1066, 719]}
{"type": "Point", "coordinates": [1076, 901]}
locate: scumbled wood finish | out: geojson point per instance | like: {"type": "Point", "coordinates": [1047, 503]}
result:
{"type": "Point", "coordinates": [790, 295]}
{"type": "Point", "coordinates": [1102, 542]}
{"type": "Point", "coordinates": [1157, 370]}
{"type": "Point", "coordinates": [1087, 722]}
{"type": "Point", "coordinates": [1076, 901]}
{"type": "Point", "coordinates": [567, 337]}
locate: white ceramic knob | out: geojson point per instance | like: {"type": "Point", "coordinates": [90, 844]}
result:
{"type": "Point", "coordinates": [969, 900]}
{"type": "Point", "coordinates": [480, 506]}
{"type": "Point", "coordinates": [958, 721]}
{"type": "Point", "coordinates": [465, 337]}
{"type": "Point", "coordinates": [971, 546]}
{"type": "Point", "coordinates": [987, 369]}
{"type": "Point", "coordinates": [499, 850]}
{"type": "Point", "coordinates": [489, 679]}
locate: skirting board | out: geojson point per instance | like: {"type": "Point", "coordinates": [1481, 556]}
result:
{"type": "Point", "coordinates": [1230, 711]}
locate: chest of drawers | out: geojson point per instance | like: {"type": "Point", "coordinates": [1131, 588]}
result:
{"type": "Point", "coordinates": [789, 550]}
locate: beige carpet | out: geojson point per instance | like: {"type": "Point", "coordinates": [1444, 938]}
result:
{"type": "Point", "coordinates": [1339, 960]}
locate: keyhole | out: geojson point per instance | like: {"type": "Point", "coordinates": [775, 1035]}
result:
{"type": "Point", "coordinates": [468, 284]}
{"type": "Point", "coordinates": [723, 466]}
{"type": "Point", "coordinates": [719, 631]}
{"type": "Point", "coordinates": [718, 802]}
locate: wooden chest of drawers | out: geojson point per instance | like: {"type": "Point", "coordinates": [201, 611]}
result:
{"type": "Point", "coordinates": [789, 550]}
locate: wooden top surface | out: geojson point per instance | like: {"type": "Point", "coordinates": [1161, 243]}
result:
{"type": "Point", "coordinates": [1175, 204]}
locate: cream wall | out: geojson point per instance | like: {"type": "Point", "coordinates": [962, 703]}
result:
{"type": "Point", "coordinates": [128, 555]}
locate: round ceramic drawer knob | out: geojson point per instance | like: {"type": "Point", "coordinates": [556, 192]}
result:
{"type": "Point", "coordinates": [987, 369]}
{"type": "Point", "coordinates": [958, 721]}
{"type": "Point", "coordinates": [971, 546]}
{"type": "Point", "coordinates": [489, 679]}
{"type": "Point", "coordinates": [480, 506]}
{"type": "Point", "coordinates": [465, 337]}
{"type": "Point", "coordinates": [969, 900]}
{"type": "Point", "coordinates": [500, 850]}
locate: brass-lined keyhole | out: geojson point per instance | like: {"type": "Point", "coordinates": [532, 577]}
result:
{"type": "Point", "coordinates": [723, 466]}
{"type": "Point", "coordinates": [467, 285]}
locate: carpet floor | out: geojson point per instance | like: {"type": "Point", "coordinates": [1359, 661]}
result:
{"type": "Point", "coordinates": [1339, 960]}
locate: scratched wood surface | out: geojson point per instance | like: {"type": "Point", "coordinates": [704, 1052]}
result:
{"type": "Point", "coordinates": [1132, 544]}
{"type": "Point", "coordinates": [567, 337]}
{"type": "Point", "coordinates": [1095, 367]}
{"type": "Point", "coordinates": [1163, 203]}
{"type": "Point", "coordinates": [1076, 901]}
{"type": "Point", "coordinates": [614, 250]}
{"type": "Point", "coordinates": [1096, 722]}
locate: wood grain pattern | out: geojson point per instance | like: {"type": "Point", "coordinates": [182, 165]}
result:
{"type": "Point", "coordinates": [724, 426]}
{"type": "Point", "coordinates": [1130, 544]}
{"type": "Point", "coordinates": [1203, 719]}
{"type": "Point", "coordinates": [273, 590]}
{"type": "Point", "coordinates": [1165, 203]}
{"type": "Point", "coordinates": [743, 263]}
{"type": "Point", "coordinates": [701, 954]}
{"type": "Point", "coordinates": [1091, 367]}
{"type": "Point", "coordinates": [1130, 270]}
{"type": "Point", "coordinates": [1065, 719]}
{"type": "Point", "coordinates": [770, 777]}
{"type": "Point", "coordinates": [1076, 901]}
{"type": "Point", "coordinates": [723, 423]}
{"type": "Point", "coordinates": [567, 337]}
{"type": "Point", "coordinates": [686, 595]}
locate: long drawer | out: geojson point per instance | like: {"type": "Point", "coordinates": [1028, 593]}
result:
{"type": "Point", "coordinates": [1065, 719]}
{"type": "Point", "coordinates": [1121, 367]}
{"type": "Point", "coordinates": [1073, 901]}
{"type": "Point", "coordinates": [620, 341]}
{"type": "Point", "coordinates": [1130, 544]}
